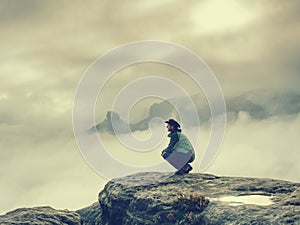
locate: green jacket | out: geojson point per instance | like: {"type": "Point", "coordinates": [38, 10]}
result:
{"type": "Point", "coordinates": [180, 143]}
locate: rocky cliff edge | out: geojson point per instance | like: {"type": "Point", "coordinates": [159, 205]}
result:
{"type": "Point", "coordinates": [163, 198]}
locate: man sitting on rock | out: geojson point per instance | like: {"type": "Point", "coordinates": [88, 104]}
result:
{"type": "Point", "coordinates": [180, 151]}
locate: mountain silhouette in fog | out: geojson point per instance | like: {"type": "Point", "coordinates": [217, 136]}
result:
{"type": "Point", "coordinates": [259, 104]}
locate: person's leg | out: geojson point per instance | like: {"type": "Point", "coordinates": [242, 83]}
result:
{"type": "Point", "coordinates": [178, 159]}
{"type": "Point", "coordinates": [192, 159]}
{"type": "Point", "coordinates": [189, 167]}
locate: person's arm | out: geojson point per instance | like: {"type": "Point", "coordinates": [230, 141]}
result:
{"type": "Point", "coordinates": [174, 139]}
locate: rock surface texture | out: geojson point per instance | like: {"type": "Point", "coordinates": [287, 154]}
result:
{"type": "Point", "coordinates": [163, 198]}
{"type": "Point", "coordinates": [39, 216]}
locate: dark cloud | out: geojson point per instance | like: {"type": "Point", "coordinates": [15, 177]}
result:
{"type": "Point", "coordinates": [14, 10]}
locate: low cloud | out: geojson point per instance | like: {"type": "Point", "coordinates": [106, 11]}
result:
{"type": "Point", "coordinates": [46, 47]}
{"type": "Point", "coordinates": [259, 104]}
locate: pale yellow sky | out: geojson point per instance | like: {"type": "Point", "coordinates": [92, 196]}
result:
{"type": "Point", "coordinates": [46, 46]}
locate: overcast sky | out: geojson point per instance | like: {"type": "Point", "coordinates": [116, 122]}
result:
{"type": "Point", "coordinates": [46, 46]}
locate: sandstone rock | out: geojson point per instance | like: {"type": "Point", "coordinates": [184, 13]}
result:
{"type": "Point", "coordinates": [91, 215]}
{"type": "Point", "coordinates": [164, 198]}
{"type": "Point", "coordinates": [41, 215]}
{"type": "Point", "coordinates": [133, 200]}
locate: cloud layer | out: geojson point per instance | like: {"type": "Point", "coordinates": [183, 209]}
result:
{"type": "Point", "coordinates": [46, 46]}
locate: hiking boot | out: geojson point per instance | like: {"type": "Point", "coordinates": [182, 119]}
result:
{"type": "Point", "coordinates": [188, 168]}
{"type": "Point", "coordinates": [181, 171]}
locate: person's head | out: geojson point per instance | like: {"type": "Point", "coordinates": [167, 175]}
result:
{"type": "Point", "coordinates": [172, 125]}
